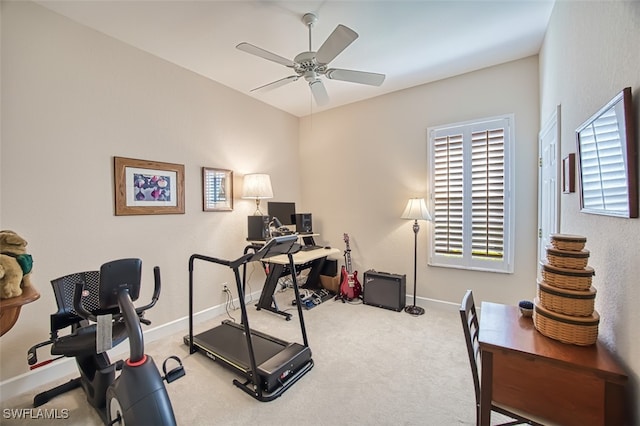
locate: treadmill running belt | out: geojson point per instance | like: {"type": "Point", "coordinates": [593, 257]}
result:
{"type": "Point", "coordinates": [230, 343]}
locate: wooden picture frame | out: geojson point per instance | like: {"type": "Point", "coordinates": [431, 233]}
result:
{"type": "Point", "coordinates": [147, 187]}
{"type": "Point", "coordinates": [569, 174]}
{"type": "Point", "coordinates": [217, 190]}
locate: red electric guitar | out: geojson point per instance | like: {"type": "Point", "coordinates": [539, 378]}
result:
{"type": "Point", "coordinates": [350, 287]}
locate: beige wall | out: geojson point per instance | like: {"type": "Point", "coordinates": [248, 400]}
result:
{"type": "Point", "coordinates": [590, 53]}
{"type": "Point", "coordinates": [71, 100]}
{"type": "Point", "coordinates": [361, 163]}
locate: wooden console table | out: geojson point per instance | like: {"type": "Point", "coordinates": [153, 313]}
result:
{"type": "Point", "coordinates": [10, 308]}
{"type": "Point", "coordinates": [556, 382]}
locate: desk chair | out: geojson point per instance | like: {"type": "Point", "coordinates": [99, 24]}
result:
{"type": "Point", "coordinates": [469, 319]}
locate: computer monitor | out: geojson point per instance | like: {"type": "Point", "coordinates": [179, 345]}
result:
{"type": "Point", "coordinates": [285, 212]}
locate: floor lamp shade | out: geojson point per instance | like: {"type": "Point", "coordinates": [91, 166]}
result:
{"type": "Point", "coordinates": [416, 210]}
{"type": "Point", "coordinates": [257, 186]}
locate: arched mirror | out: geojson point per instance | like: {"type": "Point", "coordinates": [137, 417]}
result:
{"type": "Point", "coordinates": [607, 157]}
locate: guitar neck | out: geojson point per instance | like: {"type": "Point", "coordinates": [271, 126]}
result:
{"type": "Point", "coordinates": [347, 259]}
{"type": "Point", "coordinates": [347, 255]}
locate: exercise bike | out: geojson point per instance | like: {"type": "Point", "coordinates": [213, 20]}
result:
{"type": "Point", "coordinates": [98, 306]}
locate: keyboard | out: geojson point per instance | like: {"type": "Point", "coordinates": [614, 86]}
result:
{"type": "Point", "coordinates": [308, 248]}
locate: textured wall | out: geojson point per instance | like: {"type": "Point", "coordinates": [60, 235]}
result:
{"type": "Point", "coordinates": [591, 53]}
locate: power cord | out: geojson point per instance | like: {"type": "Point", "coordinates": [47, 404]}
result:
{"type": "Point", "coordinates": [229, 303]}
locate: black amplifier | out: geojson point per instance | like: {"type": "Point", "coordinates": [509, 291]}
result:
{"type": "Point", "coordinates": [385, 290]}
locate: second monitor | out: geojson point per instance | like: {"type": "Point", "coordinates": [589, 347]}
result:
{"type": "Point", "coordinates": [285, 212]}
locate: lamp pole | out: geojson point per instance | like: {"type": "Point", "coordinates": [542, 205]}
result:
{"type": "Point", "coordinates": [414, 309]}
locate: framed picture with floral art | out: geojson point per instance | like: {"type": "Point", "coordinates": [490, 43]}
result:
{"type": "Point", "coordinates": [147, 187]}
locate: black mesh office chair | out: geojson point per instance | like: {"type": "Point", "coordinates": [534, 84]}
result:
{"type": "Point", "coordinates": [469, 319]}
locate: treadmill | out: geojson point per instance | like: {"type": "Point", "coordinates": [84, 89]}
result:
{"type": "Point", "coordinates": [269, 365]}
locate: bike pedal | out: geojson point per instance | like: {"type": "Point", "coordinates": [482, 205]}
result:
{"type": "Point", "coordinates": [175, 373]}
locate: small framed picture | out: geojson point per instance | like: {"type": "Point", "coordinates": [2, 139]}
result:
{"type": "Point", "coordinates": [569, 174]}
{"type": "Point", "coordinates": [217, 190]}
{"type": "Point", "coordinates": [148, 187]}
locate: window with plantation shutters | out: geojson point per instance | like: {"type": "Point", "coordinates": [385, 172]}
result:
{"type": "Point", "coordinates": [470, 181]}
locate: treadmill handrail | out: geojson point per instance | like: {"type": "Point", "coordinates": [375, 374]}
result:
{"type": "Point", "coordinates": [288, 246]}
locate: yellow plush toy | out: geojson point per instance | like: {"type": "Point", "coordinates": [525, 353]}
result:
{"type": "Point", "coordinates": [15, 264]}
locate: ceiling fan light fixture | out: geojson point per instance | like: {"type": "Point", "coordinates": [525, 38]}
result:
{"type": "Point", "coordinates": [311, 76]}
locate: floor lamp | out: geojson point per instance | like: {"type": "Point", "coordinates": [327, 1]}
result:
{"type": "Point", "coordinates": [416, 210]}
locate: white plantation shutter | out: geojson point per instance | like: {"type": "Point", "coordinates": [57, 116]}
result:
{"type": "Point", "coordinates": [469, 181]}
{"type": "Point", "coordinates": [448, 193]}
{"type": "Point", "coordinates": [487, 193]}
{"type": "Point", "coordinates": [604, 181]}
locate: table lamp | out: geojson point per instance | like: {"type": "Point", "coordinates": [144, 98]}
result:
{"type": "Point", "coordinates": [257, 186]}
{"type": "Point", "coordinates": [416, 210]}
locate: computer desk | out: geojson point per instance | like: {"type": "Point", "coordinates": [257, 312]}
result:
{"type": "Point", "coordinates": [277, 266]}
{"type": "Point", "coordinates": [557, 382]}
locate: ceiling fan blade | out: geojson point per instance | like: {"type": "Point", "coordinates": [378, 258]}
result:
{"type": "Point", "coordinates": [362, 77]}
{"type": "Point", "coordinates": [319, 92]}
{"type": "Point", "coordinates": [339, 39]}
{"type": "Point", "coordinates": [277, 83]}
{"type": "Point", "coordinates": [255, 50]}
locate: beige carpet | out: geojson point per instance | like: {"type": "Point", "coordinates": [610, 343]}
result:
{"type": "Point", "coordinates": [372, 367]}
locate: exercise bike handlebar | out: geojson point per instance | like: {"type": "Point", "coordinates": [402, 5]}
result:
{"type": "Point", "coordinates": [156, 291]}
{"type": "Point", "coordinates": [132, 323]}
{"type": "Point", "coordinates": [84, 313]}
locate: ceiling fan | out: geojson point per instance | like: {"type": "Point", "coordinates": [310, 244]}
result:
{"type": "Point", "coordinates": [311, 65]}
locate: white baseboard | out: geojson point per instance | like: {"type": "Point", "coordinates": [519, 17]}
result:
{"type": "Point", "coordinates": [58, 370]}
{"type": "Point", "coordinates": [433, 303]}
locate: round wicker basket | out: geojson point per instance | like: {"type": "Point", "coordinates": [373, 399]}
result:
{"type": "Point", "coordinates": [569, 259]}
{"type": "Point", "coordinates": [582, 331]}
{"type": "Point", "coordinates": [568, 242]}
{"type": "Point", "coordinates": [572, 279]}
{"type": "Point", "coordinates": [568, 302]}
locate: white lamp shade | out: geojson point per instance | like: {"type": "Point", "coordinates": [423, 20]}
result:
{"type": "Point", "coordinates": [416, 210]}
{"type": "Point", "coordinates": [257, 186]}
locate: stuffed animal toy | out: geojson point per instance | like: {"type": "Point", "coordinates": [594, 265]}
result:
{"type": "Point", "coordinates": [15, 264]}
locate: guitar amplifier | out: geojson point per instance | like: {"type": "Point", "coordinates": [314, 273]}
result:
{"type": "Point", "coordinates": [385, 290]}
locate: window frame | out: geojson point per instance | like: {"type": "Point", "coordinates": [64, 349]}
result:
{"type": "Point", "coordinates": [467, 260]}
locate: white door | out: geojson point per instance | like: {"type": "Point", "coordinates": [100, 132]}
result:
{"type": "Point", "coordinates": [548, 183]}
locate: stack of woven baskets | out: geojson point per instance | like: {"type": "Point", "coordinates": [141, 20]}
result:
{"type": "Point", "coordinates": [564, 309]}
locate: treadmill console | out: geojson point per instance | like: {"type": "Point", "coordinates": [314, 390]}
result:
{"type": "Point", "coordinates": [283, 244]}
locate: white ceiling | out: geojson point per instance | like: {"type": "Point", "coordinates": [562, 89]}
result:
{"type": "Point", "coordinates": [412, 42]}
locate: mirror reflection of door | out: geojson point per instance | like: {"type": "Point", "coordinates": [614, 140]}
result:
{"type": "Point", "coordinates": [548, 184]}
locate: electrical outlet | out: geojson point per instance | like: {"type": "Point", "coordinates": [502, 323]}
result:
{"type": "Point", "coordinates": [224, 287]}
